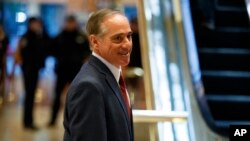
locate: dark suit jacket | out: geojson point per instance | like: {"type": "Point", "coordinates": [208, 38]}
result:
{"type": "Point", "coordinates": [95, 110]}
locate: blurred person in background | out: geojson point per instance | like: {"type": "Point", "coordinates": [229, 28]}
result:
{"type": "Point", "coordinates": [31, 54]}
{"type": "Point", "coordinates": [4, 42]}
{"type": "Point", "coordinates": [135, 59]}
{"type": "Point", "coordinates": [71, 51]}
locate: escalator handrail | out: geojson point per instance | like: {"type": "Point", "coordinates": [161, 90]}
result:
{"type": "Point", "coordinates": [248, 7]}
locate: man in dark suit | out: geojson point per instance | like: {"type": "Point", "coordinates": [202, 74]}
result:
{"type": "Point", "coordinates": [97, 104]}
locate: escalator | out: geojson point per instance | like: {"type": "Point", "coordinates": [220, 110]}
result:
{"type": "Point", "coordinates": [223, 47]}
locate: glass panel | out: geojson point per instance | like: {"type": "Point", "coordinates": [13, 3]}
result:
{"type": "Point", "coordinates": [14, 16]}
{"type": "Point", "coordinates": [134, 71]}
{"type": "Point", "coordinates": [164, 39]}
{"type": "Point", "coordinates": [53, 14]}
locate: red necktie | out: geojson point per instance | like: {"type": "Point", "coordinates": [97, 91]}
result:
{"type": "Point", "coordinates": [125, 95]}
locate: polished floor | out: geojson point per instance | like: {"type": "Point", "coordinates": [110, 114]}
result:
{"type": "Point", "coordinates": [11, 128]}
{"type": "Point", "coordinates": [11, 112]}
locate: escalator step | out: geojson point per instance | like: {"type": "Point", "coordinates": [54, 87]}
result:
{"type": "Point", "coordinates": [228, 98]}
{"type": "Point", "coordinates": [224, 110]}
{"type": "Point", "coordinates": [221, 38]}
{"type": "Point", "coordinates": [219, 58]}
{"type": "Point", "coordinates": [227, 123]}
{"type": "Point", "coordinates": [224, 18]}
{"type": "Point", "coordinates": [226, 82]}
{"type": "Point", "coordinates": [232, 3]}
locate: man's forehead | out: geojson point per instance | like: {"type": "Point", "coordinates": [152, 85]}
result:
{"type": "Point", "coordinates": [116, 24]}
{"type": "Point", "coordinates": [116, 15]}
{"type": "Point", "coordinates": [116, 19]}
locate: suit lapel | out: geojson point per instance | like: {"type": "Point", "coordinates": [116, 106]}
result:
{"type": "Point", "coordinates": [112, 84]}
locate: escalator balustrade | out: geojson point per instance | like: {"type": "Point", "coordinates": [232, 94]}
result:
{"type": "Point", "coordinates": [224, 56]}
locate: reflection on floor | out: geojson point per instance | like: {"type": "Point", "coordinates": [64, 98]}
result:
{"type": "Point", "coordinates": [11, 128]}
{"type": "Point", "coordinates": [11, 110]}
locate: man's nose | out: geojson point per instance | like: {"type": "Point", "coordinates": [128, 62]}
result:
{"type": "Point", "coordinates": [127, 43]}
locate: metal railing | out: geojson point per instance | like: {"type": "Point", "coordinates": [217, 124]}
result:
{"type": "Point", "coordinates": [153, 116]}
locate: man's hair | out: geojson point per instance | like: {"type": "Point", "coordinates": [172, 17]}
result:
{"type": "Point", "coordinates": [33, 19]}
{"type": "Point", "coordinates": [94, 24]}
{"type": "Point", "coordinates": [70, 18]}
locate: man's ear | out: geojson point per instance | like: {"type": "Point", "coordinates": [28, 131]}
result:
{"type": "Point", "coordinates": [93, 41]}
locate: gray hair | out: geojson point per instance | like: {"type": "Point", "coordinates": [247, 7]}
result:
{"type": "Point", "coordinates": [94, 24]}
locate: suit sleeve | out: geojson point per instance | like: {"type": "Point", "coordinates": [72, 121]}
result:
{"type": "Point", "coordinates": [86, 114]}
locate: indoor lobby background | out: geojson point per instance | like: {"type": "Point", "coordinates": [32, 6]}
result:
{"type": "Point", "coordinates": [194, 77]}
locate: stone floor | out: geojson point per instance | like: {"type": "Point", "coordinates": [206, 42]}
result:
{"type": "Point", "coordinates": [11, 128]}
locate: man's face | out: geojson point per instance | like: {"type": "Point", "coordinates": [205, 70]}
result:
{"type": "Point", "coordinates": [36, 26]}
{"type": "Point", "coordinates": [115, 44]}
{"type": "Point", "coordinates": [71, 25]}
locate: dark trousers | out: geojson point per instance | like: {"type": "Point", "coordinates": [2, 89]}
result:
{"type": "Point", "coordinates": [65, 75]}
{"type": "Point", "coordinates": [30, 83]}
{"type": "Point", "coordinates": [60, 85]}
{"type": "Point", "coordinates": [2, 71]}
{"type": "Point", "coordinates": [2, 78]}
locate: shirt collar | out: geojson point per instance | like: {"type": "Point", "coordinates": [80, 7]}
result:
{"type": "Point", "coordinates": [115, 71]}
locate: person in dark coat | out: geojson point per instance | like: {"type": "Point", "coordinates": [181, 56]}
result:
{"type": "Point", "coordinates": [135, 59]}
{"type": "Point", "coordinates": [4, 43]}
{"type": "Point", "coordinates": [72, 49]}
{"type": "Point", "coordinates": [31, 54]}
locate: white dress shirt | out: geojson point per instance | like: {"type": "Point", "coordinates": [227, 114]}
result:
{"type": "Point", "coordinates": [115, 71]}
